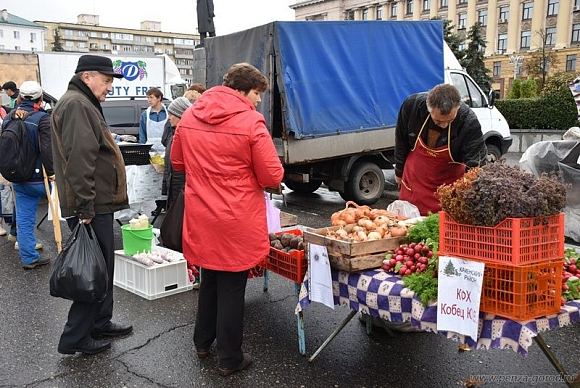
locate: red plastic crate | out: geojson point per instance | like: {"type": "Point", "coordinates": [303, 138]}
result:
{"type": "Point", "coordinates": [522, 292]}
{"type": "Point", "coordinates": [513, 241]}
{"type": "Point", "coordinates": [290, 265]}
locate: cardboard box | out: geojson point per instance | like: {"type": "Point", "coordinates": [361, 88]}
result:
{"type": "Point", "coordinates": [352, 256]}
{"type": "Point", "coordinates": [152, 282]}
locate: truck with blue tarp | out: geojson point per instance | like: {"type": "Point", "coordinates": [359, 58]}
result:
{"type": "Point", "coordinates": [335, 92]}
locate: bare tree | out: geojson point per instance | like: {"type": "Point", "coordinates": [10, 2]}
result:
{"type": "Point", "coordinates": [540, 62]}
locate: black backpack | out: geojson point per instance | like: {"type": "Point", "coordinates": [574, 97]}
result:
{"type": "Point", "coordinates": [17, 156]}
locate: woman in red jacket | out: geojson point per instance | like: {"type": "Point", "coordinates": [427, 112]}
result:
{"type": "Point", "coordinates": [228, 156]}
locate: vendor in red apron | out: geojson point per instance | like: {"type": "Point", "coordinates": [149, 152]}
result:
{"type": "Point", "coordinates": [153, 121]}
{"type": "Point", "coordinates": [438, 137]}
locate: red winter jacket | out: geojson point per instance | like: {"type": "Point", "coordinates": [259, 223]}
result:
{"type": "Point", "coordinates": [228, 156]}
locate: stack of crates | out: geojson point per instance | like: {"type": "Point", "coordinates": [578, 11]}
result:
{"type": "Point", "coordinates": [523, 262]}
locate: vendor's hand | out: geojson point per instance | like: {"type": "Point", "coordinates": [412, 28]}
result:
{"type": "Point", "coordinates": [398, 180]}
{"type": "Point", "coordinates": [52, 178]}
{"type": "Point", "coordinates": [86, 221]}
{"type": "Point", "coordinates": [275, 190]}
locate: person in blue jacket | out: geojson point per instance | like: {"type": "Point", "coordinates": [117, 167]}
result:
{"type": "Point", "coordinates": [153, 121]}
{"type": "Point", "coordinates": [29, 193]}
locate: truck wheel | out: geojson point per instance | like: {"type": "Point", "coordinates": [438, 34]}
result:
{"type": "Point", "coordinates": [365, 184]}
{"type": "Point", "coordinates": [303, 187]}
{"type": "Point", "coordinates": [493, 153]}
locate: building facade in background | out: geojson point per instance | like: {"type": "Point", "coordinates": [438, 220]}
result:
{"type": "Point", "coordinates": [514, 29]}
{"type": "Point", "coordinates": [20, 34]}
{"type": "Point", "coordinates": [87, 36]}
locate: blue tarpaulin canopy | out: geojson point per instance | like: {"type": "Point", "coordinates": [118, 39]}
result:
{"type": "Point", "coordinates": [336, 76]}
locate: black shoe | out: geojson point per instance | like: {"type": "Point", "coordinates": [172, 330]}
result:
{"type": "Point", "coordinates": [90, 346]}
{"type": "Point", "coordinates": [112, 330]}
{"type": "Point", "coordinates": [37, 263]}
{"type": "Point", "coordinates": [246, 361]}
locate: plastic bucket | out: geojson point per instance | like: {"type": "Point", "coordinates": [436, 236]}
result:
{"type": "Point", "coordinates": [136, 240]}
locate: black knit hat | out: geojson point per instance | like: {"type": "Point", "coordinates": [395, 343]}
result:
{"type": "Point", "coordinates": [98, 63]}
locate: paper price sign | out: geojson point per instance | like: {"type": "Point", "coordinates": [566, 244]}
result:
{"type": "Point", "coordinates": [458, 295]}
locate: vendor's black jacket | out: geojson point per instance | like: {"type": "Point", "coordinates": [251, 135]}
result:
{"type": "Point", "coordinates": [467, 144]}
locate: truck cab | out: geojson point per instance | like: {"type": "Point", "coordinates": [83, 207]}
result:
{"type": "Point", "coordinates": [494, 126]}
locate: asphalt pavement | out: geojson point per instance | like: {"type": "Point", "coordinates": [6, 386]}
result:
{"type": "Point", "coordinates": [160, 351]}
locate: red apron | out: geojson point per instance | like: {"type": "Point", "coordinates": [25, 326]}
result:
{"type": "Point", "coordinates": [425, 170]}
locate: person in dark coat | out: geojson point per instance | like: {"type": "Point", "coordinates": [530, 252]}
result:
{"type": "Point", "coordinates": [173, 181]}
{"type": "Point", "coordinates": [205, 17]}
{"type": "Point", "coordinates": [437, 138]}
{"type": "Point", "coordinates": [92, 185]}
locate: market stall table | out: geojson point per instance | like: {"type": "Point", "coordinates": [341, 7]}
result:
{"type": "Point", "coordinates": [383, 295]}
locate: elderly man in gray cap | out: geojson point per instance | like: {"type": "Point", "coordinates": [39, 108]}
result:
{"type": "Point", "coordinates": [90, 176]}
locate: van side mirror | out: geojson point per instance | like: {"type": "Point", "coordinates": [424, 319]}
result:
{"type": "Point", "coordinates": [491, 97]}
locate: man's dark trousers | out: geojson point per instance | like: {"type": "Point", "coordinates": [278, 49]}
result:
{"type": "Point", "coordinates": [86, 317]}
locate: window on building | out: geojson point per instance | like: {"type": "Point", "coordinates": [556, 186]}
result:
{"type": "Point", "coordinates": [1, 34]}
{"type": "Point", "coordinates": [126, 48]}
{"type": "Point", "coordinates": [105, 46]}
{"type": "Point", "coordinates": [444, 3]}
{"type": "Point", "coordinates": [497, 69]}
{"type": "Point", "coordinates": [82, 33]}
{"type": "Point", "coordinates": [526, 39]}
{"type": "Point", "coordinates": [461, 21]}
{"type": "Point", "coordinates": [502, 42]}
{"type": "Point", "coordinates": [576, 33]}
{"type": "Point", "coordinates": [69, 44]}
{"type": "Point", "coordinates": [571, 62]}
{"type": "Point", "coordinates": [550, 36]}
{"type": "Point", "coordinates": [426, 5]}
{"type": "Point", "coordinates": [115, 47]}
{"type": "Point", "coordinates": [528, 10]}
{"type": "Point", "coordinates": [409, 10]}
{"type": "Point", "coordinates": [576, 4]}
{"type": "Point", "coordinates": [136, 38]}
{"type": "Point", "coordinates": [482, 16]}
{"type": "Point", "coordinates": [379, 12]}
{"type": "Point", "coordinates": [16, 34]}
{"type": "Point", "coordinates": [349, 16]}
{"type": "Point", "coordinates": [462, 2]}
{"type": "Point", "coordinates": [93, 34]}
{"type": "Point", "coordinates": [105, 35]}
{"type": "Point", "coordinates": [168, 52]}
{"type": "Point", "coordinates": [82, 45]}
{"type": "Point", "coordinates": [128, 36]}
{"type": "Point", "coordinates": [116, 35]}
{"type": "Point", "coordinates": [159, 40]}
{"type": "Point", "coordinates": [148, 39]}
{"type": "Point", "coordinates": [393, 10]}
{"type": "Point", "coordinates": [462, 46]}
{"type": "Point", "coordinates": [94, 46]}
{"type": "Point", "coordinates": [168, 41]}
{"type": "Point", "coordinates": [32, 37]}
{"type": "Point", "coordinates": [68, 32]}
{"type": "Point", "coordinates": [365, 14]}
{"type": "Point", "coordinates": [553, 7]}
{"type": "Point", "coordinates": [17, 48]}
{"type": "Point", "coordinates": [504, 14]}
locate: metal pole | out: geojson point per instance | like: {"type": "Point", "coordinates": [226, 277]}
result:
{"type": "Point", "coordinates": [334, 334]}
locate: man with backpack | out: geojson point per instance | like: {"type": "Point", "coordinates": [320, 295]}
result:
{"type": "Point", "coordinates": [25, 147]}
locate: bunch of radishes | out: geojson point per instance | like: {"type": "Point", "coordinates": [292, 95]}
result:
{"type": "Point", "coordinates": [570, 280]}
{"type": "Point", "coordinates": [408, 259]}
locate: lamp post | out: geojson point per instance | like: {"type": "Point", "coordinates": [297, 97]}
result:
{"type": "Point", "coordinates": [516, 61]}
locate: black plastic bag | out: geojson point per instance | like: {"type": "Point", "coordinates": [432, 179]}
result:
{"type": "Point", "coordinates": [172, 225]}
{"type": "Point", "coordinates": [80, 272]}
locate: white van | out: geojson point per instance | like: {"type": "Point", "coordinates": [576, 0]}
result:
{"type": "Point", "coordinates": [494, 126]}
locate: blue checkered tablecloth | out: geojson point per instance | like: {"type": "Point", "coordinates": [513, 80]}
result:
{"type": "Point", "coordinates": [383, 295]}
